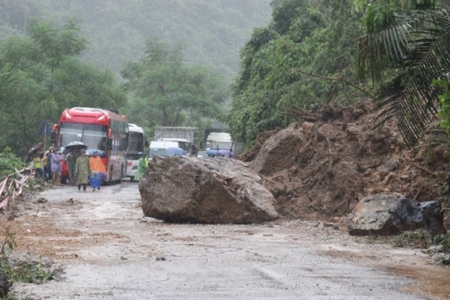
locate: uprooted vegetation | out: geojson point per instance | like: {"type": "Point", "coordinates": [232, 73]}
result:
{"type": "Point", "coordinates": [321, 168]}
{"type": "Point", "coordinates": [22, 267]}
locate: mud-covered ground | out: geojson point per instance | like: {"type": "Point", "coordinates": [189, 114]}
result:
{"type": "Point", "coordinates": [108, 250]}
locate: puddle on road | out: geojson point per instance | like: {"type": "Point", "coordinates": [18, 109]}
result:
{"type": "Point", "coordinates": [432, 281]}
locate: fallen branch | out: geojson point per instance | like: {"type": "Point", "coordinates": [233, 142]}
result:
{"type": "Point", "coordinates": [422, 168]}
{"type": "Point", "coordinates": [11, 187]}
{"type": "Point", "coordinates": [306, 146]}
{"type": "Point", "coordinates": [298, 116]}
{"type": "Point", "coordinates": [340, 78]}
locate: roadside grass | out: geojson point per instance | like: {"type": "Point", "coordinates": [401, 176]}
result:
{"type": "Point", "coordinates": [446, 243]}
{"type": "Point", "coordinates": [25, 269]}
{"type": "Point", "coordinates": [412, 239]}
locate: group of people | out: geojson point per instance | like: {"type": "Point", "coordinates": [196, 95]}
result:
{"type": "Point", "coordinates": [82, 169]}
{"type": "Point", "coordinates": [87, 170]}
{"type": "Point", "coordinates": [48, 165]}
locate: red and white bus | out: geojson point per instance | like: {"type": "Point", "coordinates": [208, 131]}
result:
{"type": "Point", "coordinates": [101, 130]}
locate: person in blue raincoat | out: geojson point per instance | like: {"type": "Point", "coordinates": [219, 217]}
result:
{"type": "Point", "coordinates": [142, 166]}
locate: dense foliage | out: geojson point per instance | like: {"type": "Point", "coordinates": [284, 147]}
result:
{"type": "Point", "coordinates": [303, 59]}
{"type": "Point", "coordinates": [43, 64]}
{"type": "Point", "coordinates": [407, 47]}
{"type": "Point", "coordinates": [9, 162]}
{"type": "Point", "coordinates": [169, 92]}
{"type": "Point", "coordinates": [213, 30]}
{"type": "Point", "coordinates": [41, 75]}
{"type": "Point", "coordinates": [444, 112]}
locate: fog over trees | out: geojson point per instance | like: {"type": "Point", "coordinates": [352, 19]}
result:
{"type": "Point", "coordinates": [56, 54]}
{"type": "Point", "coordinates": [269, 57]}
{"type": "Point", "coordinates": [213, 30]}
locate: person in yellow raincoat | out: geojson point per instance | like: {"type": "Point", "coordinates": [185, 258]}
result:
{"type": "Point", "coordinates": [97, 171]}
{"type": "Point", "coordinates": [143, 164]}
{"type": "Point", "coordinates": [82, 167]}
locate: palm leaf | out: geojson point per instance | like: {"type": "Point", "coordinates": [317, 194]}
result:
{"type": "Point", "coordinates": [418, 51]}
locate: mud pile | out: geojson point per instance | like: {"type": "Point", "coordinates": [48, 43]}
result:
{"type": "Point", "coordinates": [340, 160]}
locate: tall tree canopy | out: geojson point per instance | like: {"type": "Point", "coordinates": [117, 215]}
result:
{"type": "Point", "coordinates": [297, 61]}
{"type": "Point", "coordinates": [41, 76]}
{"type": "Point", "coordinates": [170, 92]}
{"type": "Point", "coordinates": [213, 30]}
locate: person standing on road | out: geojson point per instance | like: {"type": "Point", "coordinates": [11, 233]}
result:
{"type": "Point", "coordinates": [142, 166]}
{"type": "Point", "coordinates": [97, 171]}
{"type": "Point", "coordinates": [47, 163]}
{"type": "Point", "coordinates": [37, 164]}
{"type": "Point", "coordinates": [71, 161]}
{"type": "Point", "coordinates": [83, 169]}
{"type": "Point", "coordinates": [56, 159]}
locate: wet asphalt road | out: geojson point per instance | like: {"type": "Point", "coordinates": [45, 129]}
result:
{"type": "Point", "coordinates": [153, 260]}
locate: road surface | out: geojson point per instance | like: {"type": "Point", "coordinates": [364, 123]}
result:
{"type": "Point", "coordinates": [109, 250]}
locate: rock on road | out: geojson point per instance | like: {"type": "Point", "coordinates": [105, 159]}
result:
{"type": "Point", "coordinates": [116, 253]}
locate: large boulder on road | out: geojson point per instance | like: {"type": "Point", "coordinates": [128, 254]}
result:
{"type": "Point", "coordinates": [204, 190]}
{"type": "Point", "coordinates": [388, 214]}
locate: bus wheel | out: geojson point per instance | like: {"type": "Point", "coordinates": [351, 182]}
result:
{"type": "Point", "coordinates": [121, 175]}
{"type": "Point", "coordinates": [110, 182]}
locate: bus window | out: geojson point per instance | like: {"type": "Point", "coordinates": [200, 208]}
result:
{"type": "Point", "coordinates": [95, 136]}
{"type": "Point", "coordinates": [70, 132]}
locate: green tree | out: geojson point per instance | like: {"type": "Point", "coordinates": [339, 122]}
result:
{"type": "Point", "coordinates": [213, 30]}
{"type": "Point", "coordinates": [53, 45]}
{"type": "Point", "coordinates": [80, 84]}
{"type": "Point", "coordinates": [403, 55]}
{"type": "Point", "coordinates": [41, 76]}
{"type": "Point", "coordinates": [297, 61]}
{"type": "Point", "coordinates": [169, 92]}
{"type": "Point", "coordinates": [22, 95]}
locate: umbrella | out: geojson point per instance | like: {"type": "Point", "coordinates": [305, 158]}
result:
{"type": "Point", "coordinates": [76, 145]}
{"type": "Point", "coordinates": [212, 153]}
{"type": "Point", "coordinates": [226, 153]}
{"type": "Point", "coordinates": [35, 149]}
{"type": "Point", "coordinates": [221, 152]}
{"type": "Point", "coordinates": [175, 151]}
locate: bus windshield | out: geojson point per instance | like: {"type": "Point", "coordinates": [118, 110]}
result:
{"type": "Point", "coordinates": [94, 136]}
{"type": "Point", "coordinates": [135, 145]}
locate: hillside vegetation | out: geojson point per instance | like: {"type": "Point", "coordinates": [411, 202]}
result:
{"type": "Point", "coordinates": [213, 30]}
{"type": "Point", "coordinates": [56, 54]}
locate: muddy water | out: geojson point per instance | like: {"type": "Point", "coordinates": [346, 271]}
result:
{"type": "Point", "coordinates": [122, 255]}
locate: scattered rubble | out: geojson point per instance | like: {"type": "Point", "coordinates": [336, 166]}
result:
{"type": "Point", "coordinates": [202, 190]}
{"type": "Point", "coordinates": [321, 169]}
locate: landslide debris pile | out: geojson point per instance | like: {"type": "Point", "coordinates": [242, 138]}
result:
{"type": "Point", "coordinates": [321, 169]}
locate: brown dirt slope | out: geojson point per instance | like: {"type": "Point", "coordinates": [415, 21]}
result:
{"type": "Point", "coordinates": [340, 160]}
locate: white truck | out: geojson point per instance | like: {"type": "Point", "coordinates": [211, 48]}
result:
{"type": "Point", "coordinates": [219, 141]}
{"type": "Point", "coordinates": [161, 148]}
{"type": "Point", "coordinates": [186, 137]}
